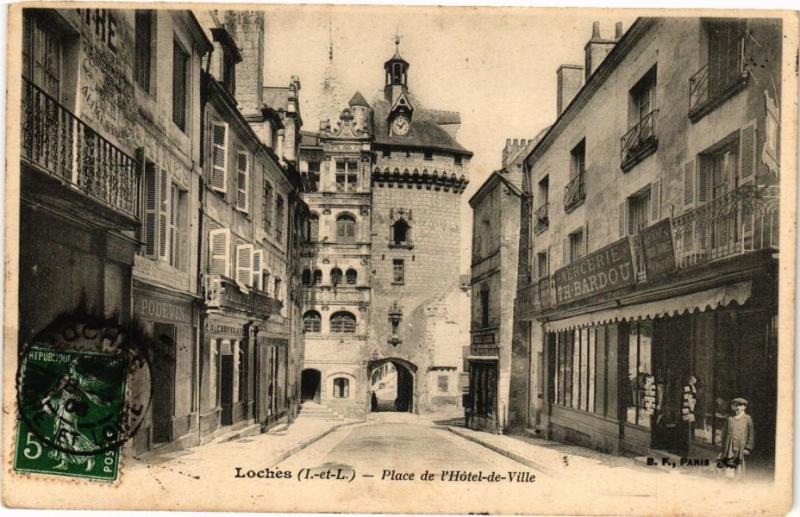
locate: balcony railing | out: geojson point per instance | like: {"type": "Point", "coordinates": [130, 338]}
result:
{"type": "Point", "coordinates": [223, 292]}
{"type": "Point", "coordinates": [536, 296]}
{"type": "Point", "coordinates": [741, 221]}
{"type": "Point", "coordinates": [541, 221]}
{"type": "Point", "coordinates": [639, 141]}
{"type": "Point", "coordinates": [59, 143]}
{"type": "Point", "coordinates": [710, 84]}
{"type": "Point", "coordinates": [574, 192]}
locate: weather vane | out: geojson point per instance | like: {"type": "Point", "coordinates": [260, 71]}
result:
{"type": "Point", "coordinates": [397, 36]}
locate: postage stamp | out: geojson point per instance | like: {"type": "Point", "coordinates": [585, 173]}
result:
{"type": "Point", "coordinates": [75, 411]}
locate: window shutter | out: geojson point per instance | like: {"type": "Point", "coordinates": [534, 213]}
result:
{"type": "Point", "coordinates": [256, 271]}
{"type": "Point", "coordinates": [150, 208]}
{"type": "Point", "coordinates": [586, 238]}
{"type": "Point", "coordinates": [242, 174]}
{"type": "Point", "coordinates": [747, 152]}
{"type": "Point", "coordinates": [655, 201]}
{"type": "Point", "coordinates": [163, 213]}
{"type": "Point", "coordinates": [623, 215]}
{"type": "Point", "coordinates": [688, 185]}
{"type": "Point", "coordinates": [244, 253]}
{"type": "Point", "coordinates": [703, 178]}
{"type": "Point", "coordinates": [174, 194]}
{"type": "Point", "coordinates": [219, 248]}
{"type": "Point", "coordinates": [219, 158]}
{"type": "Point", "coordinates": [565, 245]}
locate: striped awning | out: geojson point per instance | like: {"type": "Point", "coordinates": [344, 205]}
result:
{"type": "Point", "coordinates": [709, 299]}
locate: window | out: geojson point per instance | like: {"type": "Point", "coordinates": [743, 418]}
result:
{"type": "Point", "coordinates": [458, 159]}
{"type": "Point", "coordinates": [313, 176]}
{"type": "Point", "coordinates": [346, 228]}
{"type": "Point", "coordinates": [576, 246]}
{"type": "Point", "coordinates": [42, 54]}
{"type": "Point", "coordinates": [343, 323]}
{"type": "Point", "coordinates": [543, 265]}
{"type": "Point", "coordinates": [578, 159]}
{"type": "Point", "coordinates": [165, 207]}
{"type": "Point", "coordinates": [279, 218]}
{"type": "Point", "coordinates": [306, 277]}
{"type": "Point", "coordinates": [312, 322]}
{"type": "Point", "coordinates": [180, 86]}
{"type": "Point", "coordinates": [244, 261]}
{"type": "Point", "coordinates": [484, 306]}
{"type": "Point", "coordinates": [312, 228]}
{"type": "Point", "coordinates": [317, 277]}
{"type": "Point", "coordinates": [256, 271]}
{"type": "Point", "coordinates": [718, 172]}
{"type": "Point", "coordinates": [144, 51]}
{"type": "Point", "coordinates": [219, 252]}
{"type": "Point", "coordinates": [640, 395]}
{"type": "Point", "coordinates": [398, 271]}
{"type": "Point", "coordinates": [219, 157]}
{"type": "Point", "coordinates": [266, 207]}
{"type": "Point", "coordinates": [341, 388]}
{"type": "Point", "coordinates": [428, 155]}
{"type": "Point", "coordinates": [544, 190]}
{"type": "Point", "coordinates": [229, 72]}
{"type": "Point", "coordinates": [336, 276]}
{"type": "Point", "coordinates": [351, 276]}
{"type": "Point", "coordinates": [442, 383]}
{"type": "Point", "coordinates": [277, 294]}
{"type": "Point", "coordinates": [400, 233]}
{"type": "Point", "coordinates": [242, 180]}
{"type": "Point", "coordinates": [265, 280]}
{"type": "Point", "coordinates": [640, 140]}
{"type": "Point", "coordinates": [387, 153]}
{"type": "Point", "coordinates": [177, 206]}
{"type": "Point", "coordinates": [638, 211]}
{"type": "Point", "coordinates": [346, 175]}
{"type": "Point", "coordinates": [642, 98]}
{"type": "Point", "coordinates": [241, 360]}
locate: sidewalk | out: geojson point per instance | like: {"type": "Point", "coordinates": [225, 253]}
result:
{"type": "Point", "coordinates": [588, 469]}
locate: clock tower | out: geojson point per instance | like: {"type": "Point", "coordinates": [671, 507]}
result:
{"type": "Point", "coordinates": [396, 75]}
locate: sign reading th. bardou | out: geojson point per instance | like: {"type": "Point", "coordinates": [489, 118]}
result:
{"type": "Point", "coordinates": [603, 270]}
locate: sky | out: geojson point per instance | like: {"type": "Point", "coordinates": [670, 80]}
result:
{"type": "Point", "coordinates": [496, 66]}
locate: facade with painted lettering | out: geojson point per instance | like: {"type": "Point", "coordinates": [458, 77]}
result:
{"type": "Point", "coordinates": [656, 265]}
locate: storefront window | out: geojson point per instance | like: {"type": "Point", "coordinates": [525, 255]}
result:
{"type": "Point", "coordinates": [574, 375]}
{"type": "Point", "coordinates": [725, 388]}
{"type": "Point", "coordinates": [703, 371]}
{"type": "Point", "coordinates": [641, 396]}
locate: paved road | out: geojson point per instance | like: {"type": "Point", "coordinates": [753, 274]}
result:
{"type": "Point", "coordinates": [381, 455]}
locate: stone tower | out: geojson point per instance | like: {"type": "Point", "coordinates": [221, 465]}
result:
{"type": "Point", "coordinates": [247, 30]}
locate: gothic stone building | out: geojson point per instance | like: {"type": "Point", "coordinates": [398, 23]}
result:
{"type": "Point", "coordinates": [381, 261]}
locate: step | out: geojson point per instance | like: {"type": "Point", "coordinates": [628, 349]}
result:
{"type": "Point", "coordinates": [237, 430]}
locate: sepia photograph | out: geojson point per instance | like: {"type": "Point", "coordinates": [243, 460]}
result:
{"type": "Point", "coordinates": [395, 259]}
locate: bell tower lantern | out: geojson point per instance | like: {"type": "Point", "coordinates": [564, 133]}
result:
{"type": "Point", "coordinates": [396, 74]}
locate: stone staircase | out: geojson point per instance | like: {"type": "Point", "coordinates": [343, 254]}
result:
{"type": "Point", "coordinates": [310, 409]}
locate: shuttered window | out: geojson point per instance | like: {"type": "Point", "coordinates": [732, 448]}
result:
{"type": "Point", "coordinates": [266, 207]}
{"type": "Point", "coordinates": [345, 228]}
{"type": "Point", "coordinates": [219, 252]}
{"type": "Point", "coordinates": [150, 207]}
{"type": "Point", "coordinates": [219, 156]}
{"type": "Point", "coordinates": [180, 76]}
{"type": "Point", "coordinates": [242, 180]}
{"type": "Point", "coordinates": [279, 218]}
{"type": "Point", "coordinates": [174, 226]}
{"type": "Point", "coordinates": [312, 322]}
{"type": "Point", "coordinates": [244, 257]}
{"type": "Point", "coordinates": [258, 260]}
{"type": "Point", "coordinates": [163, 215]}
{"type": "Point", "coordinates": [343, 323]}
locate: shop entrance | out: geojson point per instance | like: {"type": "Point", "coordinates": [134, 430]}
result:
{"type": "Point", "coordinates": [309, 385]}
{"type": "Point", "coordinates": [392, 385]}
{"type": "Point", "coordinates": [163, 379]}
{"type": "Point", "coordinates": [226, 383]}
{"type": "Point", "coordinates": [671, 427]}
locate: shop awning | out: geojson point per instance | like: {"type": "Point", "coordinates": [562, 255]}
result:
{"type": "Point", "coordinates": [699, 301]}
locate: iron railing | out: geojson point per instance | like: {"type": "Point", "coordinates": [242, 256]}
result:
{"type": "Point", "coordinates": [639, 139]}
{"type": "Point", "coordinates": [63, 146]}
{"type": "Point", "coordinates": [541, 221]}
{"type": "Point", "coordinates": [536, 296]}
{"type": "Point", "coordinates": [708, 83]}
{"type": "Point", "coordinates": [574, 192]}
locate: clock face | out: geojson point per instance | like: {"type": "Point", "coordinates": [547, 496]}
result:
{"type": "Point", "coordinates": [400, 126]}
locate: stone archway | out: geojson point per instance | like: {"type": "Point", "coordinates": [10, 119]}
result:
{"type": "Point", "coordinates": [391, 382]}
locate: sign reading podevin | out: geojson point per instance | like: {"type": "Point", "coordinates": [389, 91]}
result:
{"type": "Point", "coordinates": [75, 408]}
{"type": "Point", "coordinates": [603, 270]}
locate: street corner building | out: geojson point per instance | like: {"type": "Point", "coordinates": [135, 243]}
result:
{"type": "Point", "coordinates": [383, 306]}
{"type": "Point", "coordinates": [646, 262]}
{"type": "Point", "coordinates": [159, 190]}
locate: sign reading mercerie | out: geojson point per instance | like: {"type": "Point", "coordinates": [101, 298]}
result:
{"type": "Point", "coordinates": [603, 270]}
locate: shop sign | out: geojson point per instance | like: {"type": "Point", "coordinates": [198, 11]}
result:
{"type": "Point", "coordinates": [253, 302]}
{"type": "Point", "coordinates": [272, 341]}
{"type": "Point", "coordinates": [225, 329]}
{"type": "Point", "coordinates": [484, 344]}
{"type": "Point", "coordinates": [604, 270]}
{"type": "Point", "coordinates": [659, 254]}
{"type": "Point", "coordinates": [158, 309]}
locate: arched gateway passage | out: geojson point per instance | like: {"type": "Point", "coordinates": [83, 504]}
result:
{"type": "Point", "coordinates": [310, 385]}
{"type": "Point", "coordinates": [392, 385]}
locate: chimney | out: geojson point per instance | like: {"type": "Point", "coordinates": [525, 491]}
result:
{"type": "Point", "coordinates": [570, 81]}
{"type": "Point", "coordinates": [247, 30]}
{"type": "Point", "coordinates": [597, 48]}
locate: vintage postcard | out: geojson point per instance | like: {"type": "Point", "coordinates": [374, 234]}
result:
{"type": "Point", "coordinates": [392, 259]}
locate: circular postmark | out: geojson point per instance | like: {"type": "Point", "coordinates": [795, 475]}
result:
{"type": "Point", "coordinates": [83, 385]}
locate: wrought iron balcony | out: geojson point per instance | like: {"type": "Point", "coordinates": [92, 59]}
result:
{"type": "Point", "coordinates": [58, 143]}
{"type": "Point", "coordinates": [710, 86]}
{"type": "Point", "coordinates": [541, 221]}
{"type": "Point", "coordinates": [574, 192]}
{"type": "Point", "coordinates": [222, 292]}
{"type": "Point", "coordinates": [535, 297]}
{"type": "Point", "coordinates": [742, 221]}
{"type": "Point", "coordinates": [639, 142]}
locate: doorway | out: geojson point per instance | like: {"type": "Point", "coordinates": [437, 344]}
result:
{"type": "Point", "coordinates": [309, 385]}
{"type": "Point", "coordinates": [392, 386]}
{"type": "Point", "coordinates": [670, 365]}
{"type": "Point", "coordinates": [163, 379]}
{"type": "Point", "coordinates": [226, 382]}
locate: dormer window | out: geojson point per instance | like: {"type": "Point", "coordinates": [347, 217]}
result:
{"type": "Point", "coordinates": [230, 57]}
{"type": "Point", "coordinates": [400, 234]}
